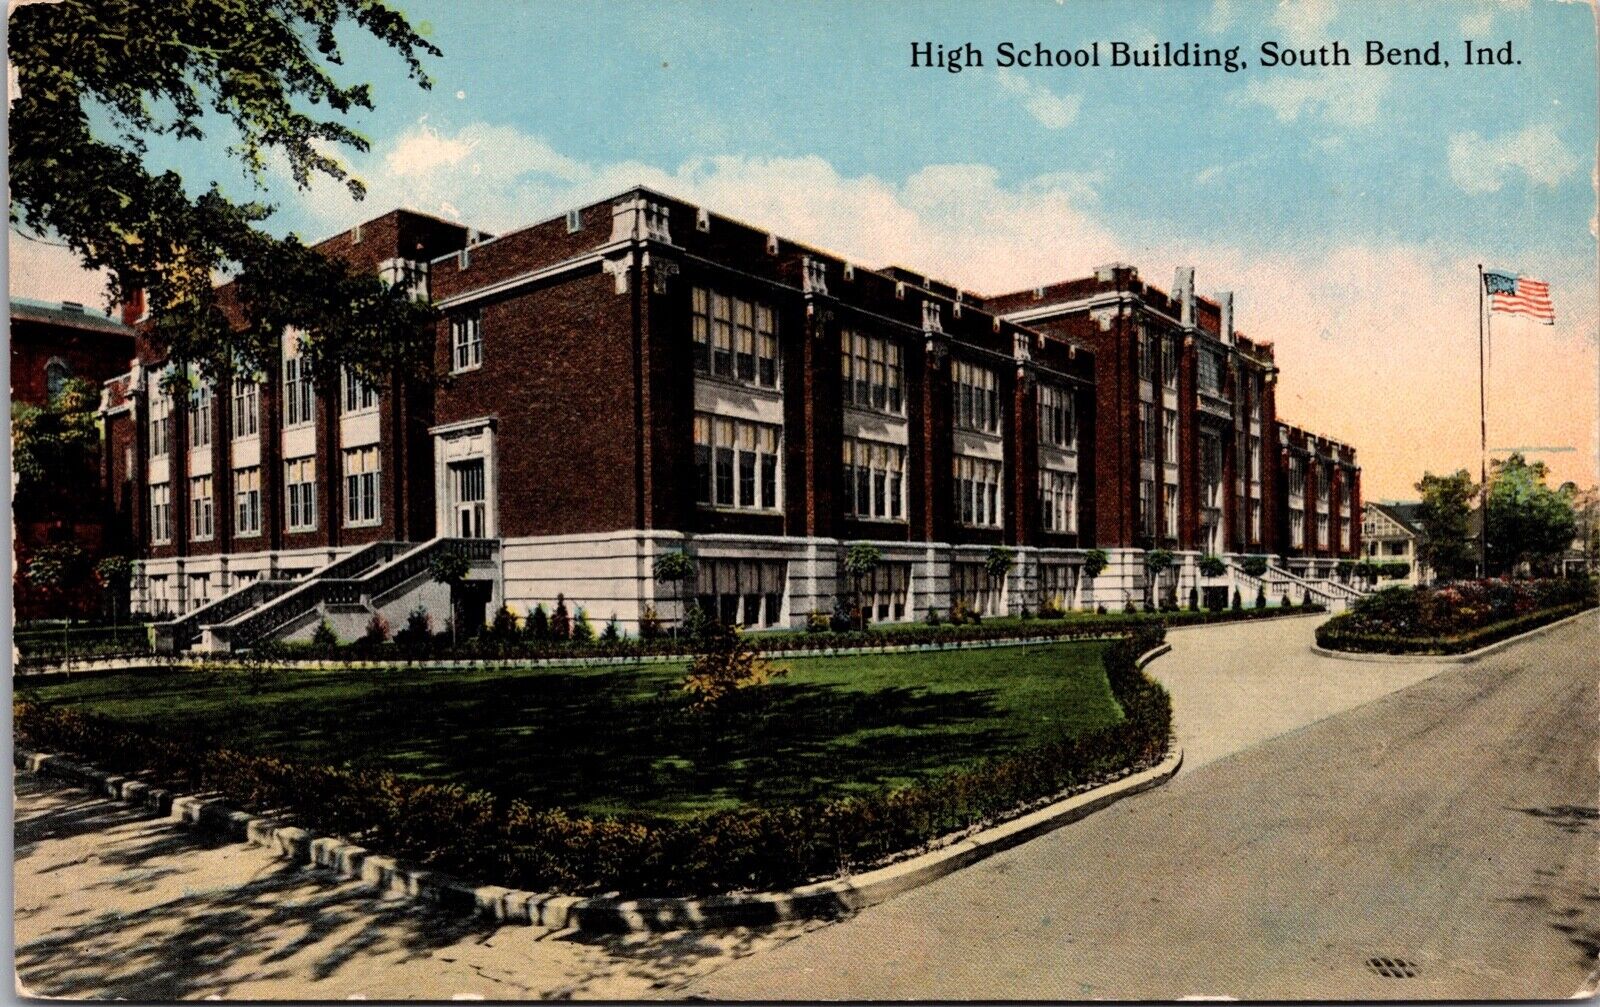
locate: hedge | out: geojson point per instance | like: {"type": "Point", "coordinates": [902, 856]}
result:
{"type": "Point", "coordinates": [1453, 618]}
{"type": "Point", "coordinates": [485, 836]}
{"type": "Point", "coordinates": [1336, 637]}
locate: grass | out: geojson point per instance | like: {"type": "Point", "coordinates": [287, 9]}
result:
{"type": "Point", "coordinates": [603, 741]}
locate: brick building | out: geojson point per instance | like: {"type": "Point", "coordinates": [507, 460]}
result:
{"type": "Point", "coordinates": [641, 375]}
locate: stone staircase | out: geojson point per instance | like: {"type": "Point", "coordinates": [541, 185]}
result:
{"type": "Point", "coordinates": [384, 578]}
{"type": "Point", "coordinates": [1282, 587]}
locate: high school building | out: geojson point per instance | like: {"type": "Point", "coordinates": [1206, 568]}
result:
{"type": "Point", "coordinates": [642, 375]}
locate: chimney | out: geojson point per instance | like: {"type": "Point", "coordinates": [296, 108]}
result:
{"type": "Point", "coordinates": [1225, 305]}
{"type": "Point", "coordinates": [1183, 293]}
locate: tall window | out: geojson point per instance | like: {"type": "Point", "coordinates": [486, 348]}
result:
{"type": "Point", "coordinates": [1322, 532]}
{"type": "Point", "coordinates": [734, 338]}
{"type": "Point", "coordinates": [361, 504]}
{"type": "Point", "coordinates": [1147, 506]}
{"type": "Point", "coordinates": [1147, 431]}
{"type": "Point", "coordinates": [1255, 520]}
{"type": "Point", "coordinates": [300, 493]}
{"type": "Point", "coordinates": [872, 372]}
{"type": "Point", "coordinates": [247, 501]}
{"type": "Point", "coordinates": [160, 418]}
{"type": "Point", "coordinates": [874, 479]}
{"type": "Point", "coordinates": [976, 392]}
{"type": "Point", "coordinates": [977, 486]}
{"type": "Point", "coordinates": [201, 508]}
{"type": "Point", "coordinates": [161, 512]}
{"type": "Point", "coordinates": [1058, 421]}
{"type": "Point", "coordinates": [298, 395]}
{"type": "Point", "coordinates": [736, 462]}
{"type": "Point", "coordinates": [1297, 477]}
{"type": "Point", "coordinates": [359, 397]}
{"type": "Point", "coordinates": [246, 407]}
{"type": "Point", "coordinates": [1058, 500]}
{"type": "Point", "coordinates": [1146, 358]}
{"type": "Point", "coordinates": [884, 591]}
{"type": "Point", "coordinates": [1255, 459]}
{"type": "Point", "coordinates": [1058, 583]}
{"type": "Point", "coordinates": [971, 585]}
{"type": "Point", "coordinates": [466, 341]}
{"type": "Point", "coordinates": [1169, 435]}
{"type": "Point", "coordinates": [1255, 396]}
{"type": "Point", "coordinates": [199, 416]}
{"type": "Point", "coordinates": [1324, 477]}
{"type": "Point", "coordinates": [1169, 362]}
{"type": "Point", "coordinates": [1169, 508]}
{"type": "Point", "coordinates": [737, 592]}
{"type": "Point", "coordinates": [1297, 529]}
{"type": "Point", "coordinates": [1210, 372]}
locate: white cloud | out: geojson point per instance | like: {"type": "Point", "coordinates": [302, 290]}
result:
{"type": "Point", "coordinates": [1221, 17]}
{"type": "Point", "coordinates": [1342, 99]}
{"type": "Point", "coordinates": [1053, 111]}
{"type": "Point", "coordinates": [1479, 165]}
{"type": "Point", "coordinates": [1304, 22]}
{"type": "Point", "coordinates": [1477, 23]}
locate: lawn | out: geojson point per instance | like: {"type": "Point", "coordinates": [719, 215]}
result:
{"type": "Point", "coordinates": [618, 740]}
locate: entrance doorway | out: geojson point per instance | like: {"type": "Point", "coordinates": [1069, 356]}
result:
{"type": "Point", "coordinates": [467, 507]}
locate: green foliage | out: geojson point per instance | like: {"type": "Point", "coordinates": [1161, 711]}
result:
{"type": "Point", "coordinates": [818, 621]}
{"type": "Point", "coordinates": [934, 617]}
{"type": "Point", "coordinates": [449, 568]}
{"type": "Point", "coordinates": [114, 571]}
{"type": "Point", "coordinates": [503, 627]}
{"type": "Point", "coordinates": [1157, 560]}
{"type": "Point", "coordinates": [55, 451]}
{"type": "Point", "coordinates": [963, 614]}
{"type": "Point", "coordinates": [1194, 599]}
{"type": "Point", "coordinates": [649, 623]}
{"type": "Point", "coordinates": [582, 629]}
{"type": "Point", "coordinates": [1261, 596]}
{"type": "Point", "coordinates": [1094, 563]}
{"type": "Point", "coordinates": [613, 631]}
{"type": "Point", "coordinates": [1048, 609]}
{"type": "Point", "coordinates": [727, 664]}
{"type": "Point", "coordinates": [1212, 566]}
{"type": "Point", "coordinates": [96, 82]}
{"type": "Point", "coordinates": [58, 568]}
{"type": "Point", "coordinates": [861, 559]}
{"type": "Point", "coordinates": [1238, 601]}
{"type": "Point", "coordinates": [1446, 504]}
{"type": "Point", "coordinates": [377, 631]}
{"type": "Point", "coordinates": [538, 623]}
{"type": "Point", "coordinates": [324, 636]}
{"type": "Point", "coordinates": [1528, 521]}
{"type": "Point", "coordinates": [674, 567]}
{"type": "Point", "coordinates": [1460, 616]}
{"type": "Point", "coordinates": [418, 631]}
{"type": "Point", "coordinates": [696, 623]}
{"type": "Point", "coordinates": [1255, 566]}
{"type": "Point", "coordinates": [561, 620]}
{"type": "Point", "coordinates": [999, 562]}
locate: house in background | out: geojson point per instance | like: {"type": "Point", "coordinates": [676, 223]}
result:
{"type": "Point", "coordinates": [1392, 534]}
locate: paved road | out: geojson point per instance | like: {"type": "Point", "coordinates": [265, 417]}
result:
{"type": "Point", "coordinates": [1273, 870]}
{"type": "Point", "coordinates": [1452, 824]}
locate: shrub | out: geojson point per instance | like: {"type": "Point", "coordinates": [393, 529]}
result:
{"type": "Point", "coordinates": [649, 623]}
{"type": "Point", "coordinates": [728, 664]}
{"type": "Point", "coordinates": [377, 631]}
{"type": "Point", "coordinates": [503, 628]}
{"type": "Point", "coordinates": [582, 629]}
{"type": "Point", "coordinates": [1255, 566]}
{"type": "Point", "coordinates": [963, 614]}
{"type": "Point", "coordinates": [1100, 609]}
{"type": "Point", "coordinates": [1345, 567]}
{"type": "Point", "coordinates": [613, 631]}
{"type": "Point", "coordinates": [1048, 609]}
{"type": "Point", "coordinates": [418, 632]}
{"type": "Point", "coordinates": [1128, 608]}
{"type": "Point", "coordinates": [1212, 566]}
{"type": "Point", "coordinates": [1094, 563]}
{"type": "Point", "coordinates": [537, 625]}
{"type": "Point", "coordinates": [561, 620]}
{"type": "Point", "coordinates": [818, 621]}
{"type": "Point", "coordinates": [1157, 560]}
{"type": "Point", "coordinates": [842, 618]}
{"type": "Point", "coordinates": [1194, 598]}
{"type": "Point", "coordinates": [999, 562]}
{"type": "Point", "coordinates": [1216, 598]}
{"type": "Point", "coordinates": [1024, 615]}
{"type": "Point", "coordinates": [1460, 616]}
{"type": "Point", "coordinates": [1238, 602]}
{"type": "Point", "coordinates": [933, 618]}
{"type": "Point", "coordinates": [324, 636]}
{"type": "Point", "coordinates": [1261, 596]}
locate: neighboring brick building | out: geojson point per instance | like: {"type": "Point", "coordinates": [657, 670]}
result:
{"type": "Point", "coordinates": [1319, 512]}
{"type": "Point", "coordinates": [50, 344]}
{"type": "Point", "coordinates": [640, 375]}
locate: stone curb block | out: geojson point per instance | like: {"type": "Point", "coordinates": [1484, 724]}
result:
{"type": "Point", "coordinates": [1466, 658]}
{"type": "Point", "coordinates": [602, 914]}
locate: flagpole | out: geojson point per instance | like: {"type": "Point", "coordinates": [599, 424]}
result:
{"type": "Point", "coordinates": [1483, 438]}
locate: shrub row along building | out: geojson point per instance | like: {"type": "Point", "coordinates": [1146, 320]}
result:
{"type": "Point", "coordinates": [641, 375]}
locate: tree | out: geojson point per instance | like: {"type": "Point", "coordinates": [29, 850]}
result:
{"type": "Point", "coordinates": [98, 80]}
{"type": "Point", "coordinates": [1528, 521]}
{"type": "Point", "coordinates": [54, 451]}
{"type": "Point", "coordinates": [1446, 546]}
{"type": "Point", "coordinates": [676, 568]}
{"type": "Point", "coordinates": [450, 569]}
{"type": "Point", "coordinates": [859, 561]}
{"type": "Point", "coordinates": [115, 573]}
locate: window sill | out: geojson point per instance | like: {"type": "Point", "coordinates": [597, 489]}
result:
{"type": "Point", "coordinates": [303, 424]}
{"type": "Point", "coordinates": [864, 519]}
{"type": "Point", "coordinates": [739, 383]}
{"type": "Point", "coordinates": [732, 509]}
{"type": "Point", "coordinates": [248, 534]}
{"type": "Point", "coordinates": [467, 369]}
{"type": "Point", "coordinates": [374, 523]}
{"type": "Point", "coordinates": [245, 438]}
{"type": "Point", "coordinates": [368, 411]}
{"type": "Point", "coordinates": [301, 530]}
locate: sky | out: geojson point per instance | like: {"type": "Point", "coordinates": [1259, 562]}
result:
{"type": "Point", "coordinates": [1346, 207]}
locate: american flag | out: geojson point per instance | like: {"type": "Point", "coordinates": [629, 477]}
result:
{"type": "Point", "coordinates": [1519, 295]}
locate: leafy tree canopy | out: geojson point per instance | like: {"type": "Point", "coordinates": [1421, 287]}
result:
{"type": "Point", "coordinates": [1528, 521]}
{"type": "Point", "coordinates": [1446, 502]}
{"type": "Point", "coordinates": [54, 449]}
{"type": "Point", "coordinates": [98, 79]}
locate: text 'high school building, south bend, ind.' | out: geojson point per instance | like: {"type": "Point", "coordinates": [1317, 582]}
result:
{"type": "Point", "coordinates": [641, 375]}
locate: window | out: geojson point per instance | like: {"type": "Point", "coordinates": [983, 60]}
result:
{"type": "Point", "coordinates": [976, 392]}
{"type": "Point", "coordinates": [1210, 373]}
{"type": "Point", "coordinates": [1147, 431]}
{"type": "Point", "coordinates": [1146, 358]}
{"type": "Point", "coordinates": [466, 340]}
{"type": "Point", "coordinates": [359, 397]}
{"type": "Point", "coordinates": [161, 512]}
{"type": "Point", "coordinates": [1297, 477]}
{"type": "Point", "coordinates": [1297, 529]}
{"type": "Point", "coordinates": [884, 592]}
{"type": "Point", "coordinates": [971, 585]}
{"type": "Point", "coordinates": [199, 416]}
{"type": "Point", "coordinates": [872, 372]}
{"type": "Point", "coordinates": [361, 505]}
{"type": "Point", "coordinates": [1147, 506]}
{"type": "Point", "coordinates": [298, 396]}
{"type": "Point", "coordinates": [741, 592]}
{"type": "Point", "coordinates": [874, 480]}
{"type": "Point", "coordinates": [1255, 396]}
{"type": "Point", "coordinates": [1169, 362]}
{"type": "Point", "coordinates": [160, 417]}
{"type": "Point", "coordinates": [1322, 532]}
{"type": "Point", "coordinates": [734, 338]}
{"type": "Point", "coordinates": [977, 487]}
{"type": "Point", "coordinates": [159, 599]}
{"type": "Point", "coordinates": [246, 407]}
{"type": "Point", "coordinates": [1255, 520]}
{"type": "Point", "coordinates": [247, 501]}
{"type": "Point", "coordinates": [1058, 500]}
{"type": "Point", "coordinates": [200, 508]}
{"type": "Point", "coordinates": [1169, 435]}
{"type": "Point", "coordinates": [1058, 584]}
{"type": "Point", "coordinates": [1169, 508]}
{"type": "Point", "coordinates": [1324, 477]}
{"type": "Point", "coordinates": [1058, 420]}
{"type": "Point", "coordinates": [56, 375]}
{"type": "Point", "coordinates": [1255, 459]}
{"type": "Point", "coordinates": [300, 493]}
{"type": "Point", "coordinates": [736, 463]}
{"type": "Point", "coordinates": [199, 591]}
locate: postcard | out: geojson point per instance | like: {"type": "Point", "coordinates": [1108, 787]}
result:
{"type": "Point", "coordinates": [804, 501]}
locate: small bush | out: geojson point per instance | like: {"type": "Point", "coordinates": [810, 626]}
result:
{"type": "Point", "coordinates": [1094, 563]}
{"type": "Point", "coordinates": [1048, 609]}
{"type": "Point", "coordinates": [1238, 602]}
{"type": "Point", "coordinates": [561, 620]}
{"type": "Point", "coordinates": [324, 636]}
{"type": "Point", "coordinates": [1261, 596]}
{"type": "Point", "coordinates": [696, 623]}
{"type": "Point", "coordinates": [537, 625]}
{"type": "Point", "coordinates": [377, 631]}
{"type": "Point", "coordinates": [582, 629]}
{"type": "Point", "coordinates": [1212, 566]}
{"type": "Point", "coordinates": [818, 621]}
{"type": "Point", "coordinates": [1128, 608]}
{"type": "Point", "coordinates": [727, 665]}
{"type": "Point", "coordinates": [418, 632]}
{"type": "Point", "coordinates": [1100, 609]}
{"type": "Point", "coordinates": [649, 624]}
{"type": "Point", "coordinates": [503, 628]}
{"type": "Point", "coordinates": [1194, 599]}
{"type": "Point", "coordinates": [1255, 566]}
{"type": "Point", "coordinates": [1025, 615]}
{"type": "Point", "coordinates": [933, 618]}
{"type": "Point", "coordinates": [613, 631]}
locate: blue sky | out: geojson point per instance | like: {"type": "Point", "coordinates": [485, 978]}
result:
{"type": "Point", "coordinates": [1346, 206]}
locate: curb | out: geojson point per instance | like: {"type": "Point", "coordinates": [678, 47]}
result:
{"type": "Point", "coordinates": [602, 914]}
{"type": "Point", "coordinates": [1466, 658]}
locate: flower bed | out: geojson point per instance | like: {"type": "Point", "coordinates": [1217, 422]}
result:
{"type": "Point", "coordinates": [1455, 618]}
{"type": "Point", "coordinates": [489, 837]}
